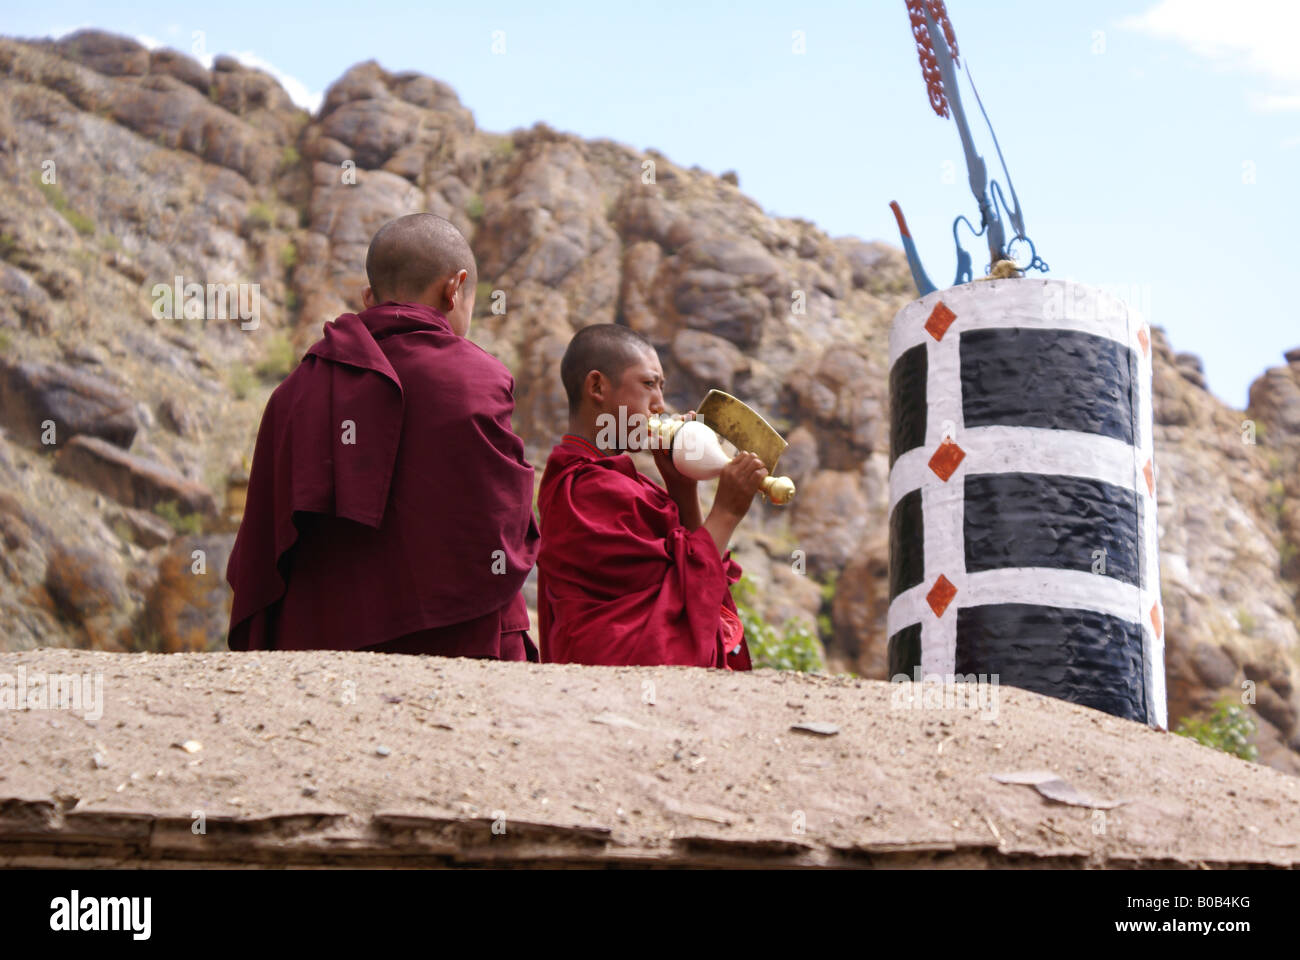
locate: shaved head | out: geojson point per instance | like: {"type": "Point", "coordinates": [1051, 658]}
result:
{"type": "Point", "coordinates": [606, 347]}
{"type": "Point", "coordinates": [410, 253]}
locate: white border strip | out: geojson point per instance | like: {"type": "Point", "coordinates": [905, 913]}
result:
{"type": "Point", "coordinates": [1025, 304]}
{"type": "Point", "coordinates": [1021, 450]}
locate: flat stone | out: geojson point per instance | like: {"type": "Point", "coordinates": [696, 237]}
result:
{"type": "Point", "coordinates": [78, 403]}
{"type": "Point", "coordinates": [131, 480]}
{"type": "Point", "coordinates": [816, 728]}
{"type": "Point", "coordinates": [145, 529]}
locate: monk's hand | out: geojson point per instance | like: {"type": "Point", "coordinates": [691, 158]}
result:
{"type": "Point", "coordinates": [674, 479]}
{"type": "Point", "coordinates": [738, 482]}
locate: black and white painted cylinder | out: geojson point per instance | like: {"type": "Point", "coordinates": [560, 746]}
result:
{"type": "Point", "coordinates": [1022, 531]}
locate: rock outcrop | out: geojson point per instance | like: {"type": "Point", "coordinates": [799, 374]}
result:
{"type": "Point", "coordinates": [43, 404]}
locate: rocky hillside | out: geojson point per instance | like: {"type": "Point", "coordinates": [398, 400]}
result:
{"type": "Point", "coordinates": [127, 168]}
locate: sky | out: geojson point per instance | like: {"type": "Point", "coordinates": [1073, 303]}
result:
{"type": "Point", "coordinates": [1153, 144]}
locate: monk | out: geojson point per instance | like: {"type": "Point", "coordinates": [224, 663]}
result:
{"type": "Point", "coordinates": [629, 573]}
{"type": "Point", "coordinates": [389, 502]}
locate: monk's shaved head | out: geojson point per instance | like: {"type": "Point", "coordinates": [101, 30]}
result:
{"type": "Point", "coordinates": [410, 253]}
{"type": "Point", "coordinates": [606, 347]}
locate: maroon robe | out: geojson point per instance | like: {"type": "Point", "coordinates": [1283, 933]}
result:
{"type": "Point", "coordinates": [620, 580]}
{"type": "Point", "coordinates": [414, 537]}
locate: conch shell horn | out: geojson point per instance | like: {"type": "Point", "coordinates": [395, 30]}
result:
{"type": "Point", "coordinates": [697, 453]}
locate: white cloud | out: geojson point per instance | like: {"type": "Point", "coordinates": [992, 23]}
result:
{"type": "Point", "coordinates": [1274, 102]}
{"type": "Point", "coordinates": [1251, 36]}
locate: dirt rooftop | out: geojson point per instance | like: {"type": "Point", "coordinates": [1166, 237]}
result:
{"type": "Point", "coordinates": [352, 759]}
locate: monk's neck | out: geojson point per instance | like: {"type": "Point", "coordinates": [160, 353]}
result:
{"type": "Point", "coordinates": [585, 427]}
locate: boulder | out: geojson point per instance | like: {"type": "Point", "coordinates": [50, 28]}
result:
{"type": "Point", "coordinates": [712, 300]}
{"type": "Point", "coordinates": [185, 69]}
{"type": "Point", "coordinates": [709, 360]}
{"type": "Point", "coordinates": [876, 267]}
{"type": "Point", "coordinates": [79, 403]}
{"type": "Point", "coordinates": [375, 130]}
{"type": "Point", "coordinates": [23, 299]}
{"type": "Point", "coordinates": [860, 610]}
{"type": "Point", "coordinates": [1275, 401]}
{"type": "Point", "coordinates": [641, 263]}
{"type": "Point", "coordinates": [81, 582]}
{"type": "Point", "coordinates": [188, 606]}
{"type": "Point", "coordinates": [1213, 666]}
{"type": "Point", "coordinates": [830, 517]}
{"type": "Point", "coordinates": [1278, 711]}
{"type": "Point", "coordinates": [177, 417]}
{"type": "Point", "coordinates": [799, 462]}
{"type": "Point", "coordinates": [130, 480]}
{"type": "Point", "coordinates": [24, 539]}
{"type": "Point", "coordinates": [106, 53]}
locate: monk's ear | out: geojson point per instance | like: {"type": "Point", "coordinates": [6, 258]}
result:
{"type": "Point", "coordinates": [595, 386]}
{"type": "Point", "coordinates": [368, 298]}
{"type": "Point", "coordinates": [453, 286]}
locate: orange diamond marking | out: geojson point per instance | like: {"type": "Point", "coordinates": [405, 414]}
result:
{"type": "Point", "coordinates": [941, 319]}
{"type": "Point", "coordinates": [1155, 618]}
{"type": "Point", "coordinates": [940, 595]}
{"type": "Point", "coordinates": [1151, 478]}
{"type": "Point", "coordinates": [1144, 340]}
{"type": "Point", "coordinates": [946, 458]}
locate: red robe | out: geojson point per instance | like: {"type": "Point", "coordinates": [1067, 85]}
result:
{"type": "Point", "coordinates": [414, 537]}
{"type": "Point", "coordinates": [620, 580]}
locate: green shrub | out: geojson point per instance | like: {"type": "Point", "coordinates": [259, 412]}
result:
{"type": "Point", "coordinates": [242, 381]}
{"type": "Point", "coordinates": [184, 523]}
{"type": "Point", "coordinates": [474, 208]}
{"type": "Point", "coordinates": [288, 255]}
{"type": "Point", "coordinates": [1245, 621]}
{"type": "Point", "coordinates": [149, 641]}
{"type": "Point", "coordinates": [80, 222]}
{"type": "Point", "coordinates": [1276, 500]}
{"type": "Point", "coordinates": [1228, 727]}
{"type": "Point", "coordinates": [5, 342]}
{"type": "Point", "coordinates": [289, 157]}
{"type": "Point", "coordinates": [55, 197]}
{"type": "Point", "coordinates": [261, 214]}
{"type": "Point", "coordinates": [793, 647]}
{"type": "Point", "coordinates": [279, 359]}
